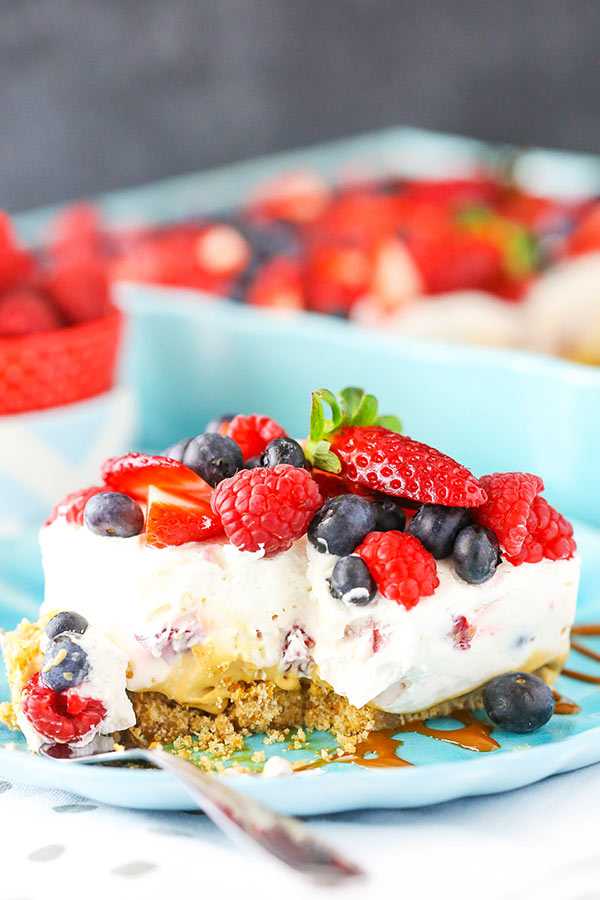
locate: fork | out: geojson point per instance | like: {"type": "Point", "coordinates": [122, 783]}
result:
{"type": "Point", "coordinates": [239, 816]}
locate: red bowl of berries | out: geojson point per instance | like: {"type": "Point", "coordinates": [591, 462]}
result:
{"type": "Point", "coordinates": [59, 331]}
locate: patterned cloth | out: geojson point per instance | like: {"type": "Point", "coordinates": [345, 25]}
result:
{"type": "Point", "coordinates": [538, 842]}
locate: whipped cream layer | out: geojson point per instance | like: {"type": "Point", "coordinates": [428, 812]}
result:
{"type": "Point", "coordinates": [193, 619]}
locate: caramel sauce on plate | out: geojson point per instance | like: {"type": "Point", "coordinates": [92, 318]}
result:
{"type": "Point", "coordinates": [474, 735]}
{"type": "Point", "coordinates": [563, 706]}
{"type": "Point", "coordinates": [592, 630]}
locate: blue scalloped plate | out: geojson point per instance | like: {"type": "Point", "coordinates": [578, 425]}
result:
{"type": "Point", "coordinates": [490, 409]}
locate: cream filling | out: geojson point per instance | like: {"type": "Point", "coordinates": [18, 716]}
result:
{"type": "Point", "coordinates": [194, 619]}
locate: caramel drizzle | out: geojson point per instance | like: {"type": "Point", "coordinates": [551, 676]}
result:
{"type": "Point", "coordinates": [473, 735]}
{"type": "Point", "coordinates": [563, 706]}
{"type": "Point", "coordinates": [592, 630]}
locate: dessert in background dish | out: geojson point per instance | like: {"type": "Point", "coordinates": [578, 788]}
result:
{"type": "Point", "coordinates": [248, 582]}
{"type": "Point", "coordinates": [474, 259]}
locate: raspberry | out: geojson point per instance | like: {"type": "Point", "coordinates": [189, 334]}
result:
{"type": "Point", "coordinates": [76, 231]}
{"type": "Point", "coordinates": [549, 536]}
{"type": "Point", "coordinates": [402, 568]}
{"type": "Point", "coordinates": [73, 505]}
{"type": "Point", "coordinates": [510, 495]}
{"type": "Point", "coordinates": [394, 464]}
{"type": "Point", "coordinates": [64, 717]}
{"type": "Point", "coordinates": [252, 433]}
{"type": "Point", "coordinates": [266, 508]}
{"type": "Point", "coordinates": [26, 311]}
{"type": "Point", "coordinates": [134, 473]}
{"type": "Point", "coordinates": [79, 288]}
{"type": "Point", "coordinates": [15, 264]}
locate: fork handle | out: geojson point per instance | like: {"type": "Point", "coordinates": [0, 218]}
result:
{"type": "Point", "coordinates": [243, 818]}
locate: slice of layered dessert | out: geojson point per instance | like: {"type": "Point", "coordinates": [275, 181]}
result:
{"type": "Point", "coordinates": [246, 582]}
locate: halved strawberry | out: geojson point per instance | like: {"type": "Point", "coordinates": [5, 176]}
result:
{"type": "Point", "coordinates": [175, 519]}
{"type": "Point", "coordinates": [366, 449]}
{"type": "Point", "coordinates": [134, 473]}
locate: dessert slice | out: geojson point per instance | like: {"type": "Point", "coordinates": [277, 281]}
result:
{"type": "Point", "coordinates": [246, 582]}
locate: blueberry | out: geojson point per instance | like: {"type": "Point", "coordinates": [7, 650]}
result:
{"type": "Point", "coordinates": [215, 424]}
{"type": "Point", "coordinates": [340, 524]}
{"type": "Point", "coordinates": [253, 462]}
{"type": "Point", "coordinates": [113, 515]}
{"type": "Point", "coordinates": [213, 457]}
{"type": "Point", "coordinates": [389, 515]}
{"type": "Point", "coordinates": [283, 451]}
{"type": "Point", "coordinates": [437, 527]}
{"type": "Point", "coordinates": [518, 702]}
{"type": "Point", "coordinates": [351, 582]}
{"type": "Point", "coordinates": [176, 451]}
{"type": "Point", "coordinates": [66, 621]}
{"type": "Point", "coordinates": [65, 664]}
{"type": "Point", "coordinates": [476, 554]}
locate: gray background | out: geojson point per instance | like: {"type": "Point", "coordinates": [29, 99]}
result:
{"type": "Point", "coordinates": [97, 94]}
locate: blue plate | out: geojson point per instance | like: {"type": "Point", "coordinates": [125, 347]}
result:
{"type": "Point", "coordinates": [490, 409]}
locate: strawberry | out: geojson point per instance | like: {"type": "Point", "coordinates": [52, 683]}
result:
{"type": "Point", "coordinates": [174, 519]}
{"type": "Point", "coordinates": [367, 449]}
{"type": "Point", "coordinates": [336, 274]}
{"type": "Point", "coordinates": [135, 473]}
{"type": "Point", "coordinates": [297, 197]}
{"type": "Point", "coordinates": [453, 261]}
{"type": "Point", "coordinates": [73, 506]}
{"type": "Point", "coordinates": [252, 433]}
{"type": "Point", "coordinates": [585, 237]}
{"type": "Point", "coordinates": [222, 250]}
{"type": "Point", "coordinates": [167, 258]}
{"type": "Point", "coordinates": [24, 310]}
{"type": "Point", "coordinates": [278, 285]}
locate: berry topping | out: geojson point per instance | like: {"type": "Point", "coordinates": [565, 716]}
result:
{"type": "Point", "coordinates": [365, 448]}
{"type": "Point", "coordinates": [215, 424]}
{"type": "Point", "coordinates": [476, 554]}
{"type": "Point", "coordinates": [213, 457]}
{"type": "Point", "coordinates": [113, 515]}
{"type": "Point", "coordinates": [174, 519]}
{"type": "Point", "coordinates": [389, 515]}
{"type": "Point", "coordinates": [176, 451]}
{"type": "Point", "coordinates": [549, 535]}
{"type": "Point", "coordinates": [266, 509]}
{"type": "Point", "coordinates": [252, 433]}
{"type": "Point", "coordinates": [403, 570]}
{"type": "Point", "coordinates": [296, 652]}
{"type": "Point", "coordinates": [73, 506]}
{"type": "Point", "coordinates": [510, 495]}
{"type": "Point", "coordinates": [437, 527]}
{"type": "Point", "coordinates": [351, 582]}
{"type": "Point", "coordinates": [67, 621]}
{"type": "Point", "coordinates": [341, 524]}
{"type": "Point", "coordinates": [65, 664]}
{"type": "Point", "coordinates": [518, 702]}
{"type": "Point", "coordinates": [64, 717]}
{"type": "Point", "coordinates": [134, 473]}
{"type": "Point", "coordinates": [25, 311]}
{"type": "Point", "coordinates": [283, 451]}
